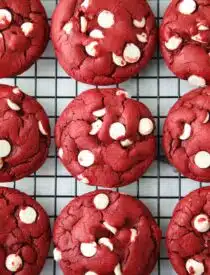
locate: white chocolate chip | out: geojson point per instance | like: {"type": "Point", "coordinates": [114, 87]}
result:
{"type": "Point", "coordinates": [88, 249]}
{"type": "Point", "coordinates": [187, 6]}
{"type": "Point", "coordinates": [90, 48]}
{"type": "Point", "coordinates": [27, 28]}
{"type": "Point", "coordinates": [60, 153]}
{"type": "Point", "coordinates": [96, 34]}
{"type": "Point", "coordinates": [197, 38]}
{"type": "Point", "coordinates": [133, 234]}
{"type": "Point", "coordinates": [5, 148]}
{"type": "Point", "coordinates": [106, 19]}
{"type": "Point", "coordinates": [117, 130]}
{"type": "Point", "coordinates": [202, 27]}
{"type": "Point", "coordinates": [117, 270]}
{"type": "Point", "coordinates": [100, 112]}
{"type": "Point", "coordinates": [106, 242]}
{"type": "Point", "coordinates": [146, 126]}
{"type": "Point", "coordinates": [194, 267]}
{"type": "Point", "coordinates": [126, 142]}
{"type": "Point", "coordinates": [13, 105]}
{"type": "Point", "coordinates": [110, 228]}
{"type": "Point", "coordinates": [207, 118]}
{"type": "Point", "coordinates": [68, 27]}
{"type": "Point", "coordinates": [139, 24]}
{"type": "Point", "coordinates": [201, 223]}
{"type": "Point", "coordinates": [86, 158]}
{"type": "Point", "coordinates": [90, 273]}
{"type": "Point", "coordinates": [5, 17]}
{"type": "Point", "coordinates": [28, 215]}
{"type": "Point", "coordinates": [202, 159]}
{"type": "Point", "coordinates": [83, 24]}
{"type": "Point", "coordinates": [122, 92]}
{"type": "Point", "coordinates": [131, 53]}
{"type": "Point", "coordinates": [101, 201]}
{"type": "Point", "coordinates": [41, 128]}
{"type": "Point", "coordinates": [173, 43]}
{"type": "Point", "coordinates": [142, 37]}
{"type": "Point", "coordinates": [57, 255]}
{"type": "Point", "coordinates": [186, 132]}
{"type": "Point", "coordinates": [95, 127]}
{"type": "Point", "coordinates": [197, 81]}
{"type": "Point", "coordinates": [85, 4]}
{"type": "Point", "coordinates": [82, 179]}
{"type": "Point", "coordinates": [118, 60]}
{"type": "Point", "coordinates": [13, 262]}
{"type": "Point", "coordinates": [16, 91]}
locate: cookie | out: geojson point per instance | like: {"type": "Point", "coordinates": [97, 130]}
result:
{"type": "Point", "coordinates": [24, 233]}
{"type": "Point", "coordinates": [24, 34]}
{"type": "Point", "coordinates": [186, 135]}
{"type": "Point", "coordinates": [105, 232]}
{"type": "Point", "coordinates": [24, 134]}
{"type": "Point", "coordinates": [185, 40]}
{"type": "Point", "coordinates": [103, 43]}
{"type": "Point", "coordinates": [188, 234]}
{"type": "Point", "coordinates": [105, 138]}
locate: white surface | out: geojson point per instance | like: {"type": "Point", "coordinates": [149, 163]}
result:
{"type": "Point", "coordinates": [160, 195]}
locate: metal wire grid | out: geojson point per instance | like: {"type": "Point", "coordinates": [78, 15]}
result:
{"type": "Point", "coordinates": [160, 188]}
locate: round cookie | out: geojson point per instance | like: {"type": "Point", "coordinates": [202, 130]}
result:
{"type": "Point", "coordinates": [105, 232]}
{"type": "Point", "coordinates": [105, 138]}
{"type": "Point", "coordinates": [103, 43]}
{"type": "Point", "coordinates": [186, 135]}
{"type": "Point", "coordinates": [24, 234]}
{"type": "Point", "coordinates": [24, 134]}
{"type": "Point", "coordinates": [185, 40]}
{"type": "Point", "coordinates": [24, 33]}
{"type": "Point", "coordinates": [188, 234]}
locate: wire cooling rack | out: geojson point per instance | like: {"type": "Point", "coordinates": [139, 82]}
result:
{"type": "Point", "coordinates": [160, 188]}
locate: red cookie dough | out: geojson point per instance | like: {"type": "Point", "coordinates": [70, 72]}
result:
{"type": "Point", "coordinates": [24, 33]}
{"type": "Point", "coordinates": [103, 42]}
{"type": "Point", "coordinates": [24, 134]}
{"type": "Point", "coordinates": [105, 138]}
{"type": "Point", "coordinates": [105, 232]}
{"type": "Point", "coordinates": [188, 234]}
{"type": "Point", "coordinates": [185, 40]}
{"type": "Point", "coordinates": [24, 234]}
{"type": "Point", "coordinates": [186, 135]}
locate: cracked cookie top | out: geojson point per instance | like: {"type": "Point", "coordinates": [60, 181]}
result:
{"type": "Point", "coordinates": [188, 234]}
{"type": "Point", "coordinates": [24, 234]}
{"type": "Point", "coordinates": [185, 40]}
{"type": "Point", "coordinates": [103, 42]}
{"type": "Point", "coordinates": [24, 134]}
{"type": "Point", "coordinates": [105, 138]}
{"type": "Point", "coordinates": [24, 34]}
{"type": "Point", "coordinates": [186, 135]}
{"type": "Point", "coordinates": [106, 233]}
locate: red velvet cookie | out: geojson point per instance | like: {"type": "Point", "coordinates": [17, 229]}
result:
{"type": "Point", "coordinates": [24, 134]}
{"type": "Point", "coordinates": [105, 138]}
{"type": "Point", "coordinates": [24, 234]}
{"type": "Point", "coordinates": [24, 34]}
{"type": "Point", "coordinates": [188, 234]}
{"type": "Point", "coordinates": [105, 232]}
{"type": "Point", "coordinates": [186, 135]}
{"type": "Point", "coordinates": [103, 42]}
{"type": "Point", "coordinates": [185, 40]}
